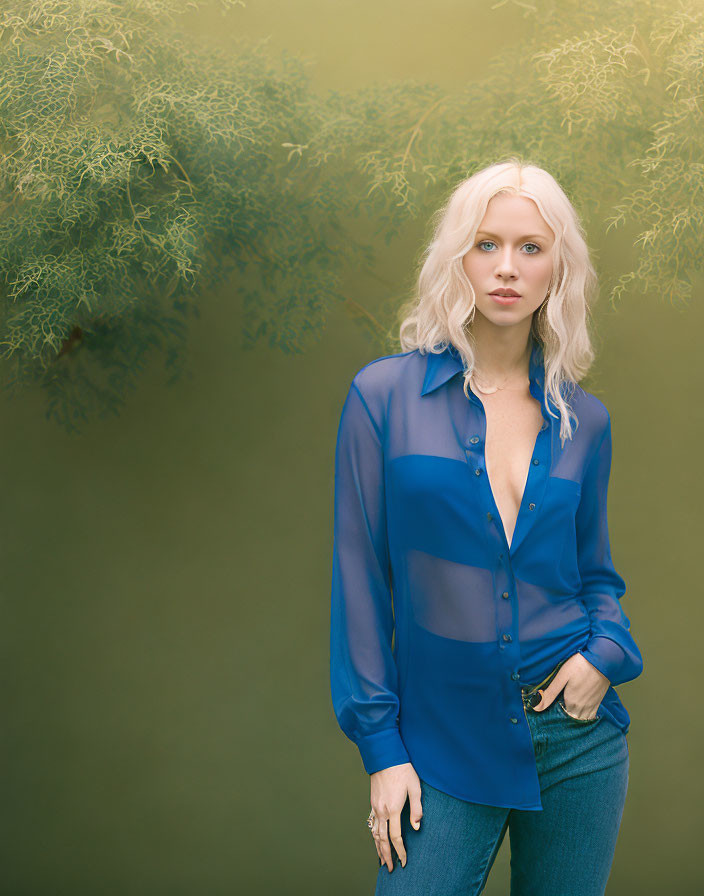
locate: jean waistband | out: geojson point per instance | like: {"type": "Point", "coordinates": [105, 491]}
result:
{"type": "Point", "coordinates": [531, 690]}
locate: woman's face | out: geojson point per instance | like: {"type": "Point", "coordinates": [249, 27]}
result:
{"type": "Point", "coordinates": [512, 251]}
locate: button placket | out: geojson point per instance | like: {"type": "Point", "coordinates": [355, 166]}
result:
{"type": "Point", "coordinates": [536, 484]}
{"type": "Point", "coordinates": [507, 619]}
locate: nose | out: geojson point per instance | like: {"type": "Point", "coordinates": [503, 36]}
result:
{"type": "Point", "coordinates": [506, 266]}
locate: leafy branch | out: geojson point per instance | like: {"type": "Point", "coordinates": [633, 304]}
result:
{"type": "Point", "coordinates": [139, 171]}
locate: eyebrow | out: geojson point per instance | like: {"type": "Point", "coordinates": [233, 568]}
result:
{"type": "Point", "coordinates": [528, 236]}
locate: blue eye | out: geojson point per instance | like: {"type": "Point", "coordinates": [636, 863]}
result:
{"type": "Point", "coordinates": [491, 242]}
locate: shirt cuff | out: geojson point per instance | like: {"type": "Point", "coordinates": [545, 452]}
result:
{"type": "Point", "coordinates": [382, 750]}
{"type": "Point", "coordinates": [605, 655]}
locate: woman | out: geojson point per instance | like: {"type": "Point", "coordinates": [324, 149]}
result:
{"type": "Point", "coordinates": [476, 625]}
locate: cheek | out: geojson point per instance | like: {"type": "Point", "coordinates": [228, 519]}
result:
{"type": "Point", "coordinates": [476, 268]}
{"type": "Point", "coordinates": [543, 274]}
{"type": "Point", "coordinates": [542, 271]}
{"type": "Point", "coordinates": [536, 270]}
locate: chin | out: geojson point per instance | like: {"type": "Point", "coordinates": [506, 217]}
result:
{"type": "Point", "coordinates": [505, 317]}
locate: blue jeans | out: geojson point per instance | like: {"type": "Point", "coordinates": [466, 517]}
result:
{"type": "Point", "coordinates": [566, 849]}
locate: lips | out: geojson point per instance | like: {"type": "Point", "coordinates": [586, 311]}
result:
{"type": "Point", "coordinates": [507, 293]}
{"type": "Point", "coordinates": [504, 300]}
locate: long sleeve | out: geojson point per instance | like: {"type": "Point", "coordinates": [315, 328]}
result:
{"type": "Point", "coordinates": [363, 675]}
{"type": "Point", "coordinates": [611, 648]}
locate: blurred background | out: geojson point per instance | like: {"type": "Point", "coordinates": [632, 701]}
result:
{"type": "Point", "coordinates": [167, 725]}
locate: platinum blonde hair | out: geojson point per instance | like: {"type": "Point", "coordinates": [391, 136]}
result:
{"type": "Point", "coordinates": [442, 307]}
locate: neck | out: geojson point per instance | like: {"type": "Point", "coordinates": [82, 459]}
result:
{"type": "Point", "coordinates": [501, 352]}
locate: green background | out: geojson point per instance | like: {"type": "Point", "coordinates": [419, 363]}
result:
{"type": "Point", "coordinates": [167, 726]}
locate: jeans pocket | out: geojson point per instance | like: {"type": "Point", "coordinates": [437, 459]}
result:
{"type": "Point", "coordinates": [569, 715]}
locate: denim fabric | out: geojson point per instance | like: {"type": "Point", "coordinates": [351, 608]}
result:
{"type": "Point", "coordinates": [565, 849]}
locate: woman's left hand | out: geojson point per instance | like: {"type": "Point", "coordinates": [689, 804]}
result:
{"type": "Point", "coordinates": [584, 686]}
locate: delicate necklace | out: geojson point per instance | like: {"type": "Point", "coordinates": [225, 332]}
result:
{"type": "Point", "coordinates": [488, 390]}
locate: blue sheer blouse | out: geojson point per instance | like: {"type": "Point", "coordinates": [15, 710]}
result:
{"type": "Point", "coordinates": [436, 622]}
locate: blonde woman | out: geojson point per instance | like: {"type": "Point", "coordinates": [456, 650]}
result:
{"type": "Point", "coordinates": [477, 631]}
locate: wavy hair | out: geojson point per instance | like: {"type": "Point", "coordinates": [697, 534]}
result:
{"type": "Point", "coordinates": [442, 307]}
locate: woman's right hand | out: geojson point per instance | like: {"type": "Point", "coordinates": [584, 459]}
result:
{"type": "Point", "coordinates": [389, 788]}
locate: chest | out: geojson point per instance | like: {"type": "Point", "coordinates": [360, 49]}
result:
{"type": "Point", "coordinates": [513, 420]}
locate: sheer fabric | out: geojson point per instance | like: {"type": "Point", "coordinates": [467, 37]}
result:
{"type": "Point", "coordinates": [436, 621]}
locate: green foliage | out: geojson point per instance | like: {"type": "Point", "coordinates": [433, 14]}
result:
{"type": "Point", "coordinates": [591, 93]}
{"type": "Point", "coordinates": [139, 170]}
{"type": "Point", "coordinates": [136, 172]}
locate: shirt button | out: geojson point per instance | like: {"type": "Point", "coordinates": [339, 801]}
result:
{"type": "Point", "coordinates": [536, 461]}
{"type": "Point", "coordinates": [515, 676]}
{"type": "Point", "coordinates": [531, 506]}
{"type": "Point", "coordinates": [477, 472]}
{"type": "Point", "coordinates": [507, 637]}
{"type": "Point", "coordinates": [514, 719]}
{"type": "Point", "coordinates": [489, 517]}
{"type": "Point", "coordinates": [505, 594]}
{"type": "Point", "coordinates": [474, 440]}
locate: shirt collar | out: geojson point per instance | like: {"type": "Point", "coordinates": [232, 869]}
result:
{"type": "Point", "coordinates": [442, 366]}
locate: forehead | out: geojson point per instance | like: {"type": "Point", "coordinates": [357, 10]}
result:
{"type": "Point", "coordinates": [516, 217]}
